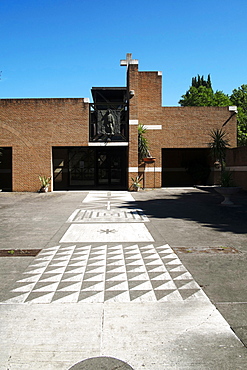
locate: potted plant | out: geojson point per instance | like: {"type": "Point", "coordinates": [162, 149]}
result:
{"type": "Point", "coordinates": [218, 147]}
{"type": "Point", "coordinates": [143, 150]}
{"type": "Point", "coordinates": [136, 183]}
{"type": "Point", "coordinates": [227, 187]}
{"type": "Point", "coordinates": [45, 183]}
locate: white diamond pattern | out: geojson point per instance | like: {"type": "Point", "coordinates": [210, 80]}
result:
{"type": "Point", "coordinates": [106, 273]}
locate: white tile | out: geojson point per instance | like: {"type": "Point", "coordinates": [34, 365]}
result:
{"type": "Point", "coordinates": [47, 298]}
{"type": "Point", "coordinates": [99, 286]}
{"type": "Point", "coordinates": [184, 276]}
{"type": "Point", "coordinates": [71, 298]}
{"type": "Point", "coordinates": [122, 297]}
{"type": "Point", "coordinates": [167, 285]}
{"type": "Point", "coordinates": [116, 232]}
{"type": "Point", "coordinates": [78, 277]}
{"type": "Point", "coordinates": [123, 285]}
{"type": "Point", "coordinates": [71, 288]}
{"type": "Point", "coordinates": [146, 297]}
{"type": "Point", "coordinates": [174, 296]}
{"type": "Point", "coordinates": [16, 300]}
{"type": "Point", "coordinates": [35, 271]}
{"type": "Point", "coordinates": [51, 279]}
{"type": "Point", "coordinates": [31, 279]}
{"type": "Point", "coordinates": [48, 288]}
{"type": "Point", "coordinates": [146, 285]}
{"type": "Point", "coordinates": [120, 277]}
{"type": "Point", "coordinates": [25, 288]}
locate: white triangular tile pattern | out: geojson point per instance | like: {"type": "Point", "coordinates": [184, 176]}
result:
{"type": "Point", "coordinates": [118, 273]}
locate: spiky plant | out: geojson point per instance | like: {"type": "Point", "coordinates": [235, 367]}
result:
{"type": "Point", "coordinates": [218, 146]}
{"type": "Point", "coordinates": [142, 143]}
{"type": "Point", "coordinates": [44, 180]}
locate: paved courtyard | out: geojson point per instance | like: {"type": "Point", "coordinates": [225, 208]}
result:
{"type": "Point", "coordinates": [121, 275]}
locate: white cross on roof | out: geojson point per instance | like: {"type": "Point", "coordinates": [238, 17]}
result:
{"type": "Point", "coordinates": [126, 62]}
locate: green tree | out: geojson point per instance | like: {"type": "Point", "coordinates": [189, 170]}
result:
{"type": "Point", "coordinates": [221, 99]}
{"type": "Point", "coordinates": [201, 94]}
{"type": "Point", "coordinates": [239, 98]}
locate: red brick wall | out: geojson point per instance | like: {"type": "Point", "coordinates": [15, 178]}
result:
{"type": "Point", "coordinates": [32, 126]}
{"type": "Point", "coordinates": [182, 127]}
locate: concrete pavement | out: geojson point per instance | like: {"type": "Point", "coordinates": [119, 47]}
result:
{"type": "Point", "coordinates": [107, 282]}
{"type": "Point", "coordinates": [211, 241]}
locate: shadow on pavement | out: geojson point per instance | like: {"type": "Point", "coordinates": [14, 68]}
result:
{"type": "Point", "coordinates": [201, 206]}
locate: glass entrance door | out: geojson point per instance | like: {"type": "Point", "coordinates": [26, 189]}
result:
{"type": "Point", "coordinates": [90, 168]}
{"type": "Point", "coordinates": [111, 171]}
{"type": "Point", "coordinates": [102, 168]}
{"type": "Point", "coordinates": [81, 168]}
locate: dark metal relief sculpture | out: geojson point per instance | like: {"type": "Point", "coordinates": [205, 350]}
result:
{"type": "Point", "coordinates": [108, 124]}
{"type": "Point", "coordinates": [109, 114]}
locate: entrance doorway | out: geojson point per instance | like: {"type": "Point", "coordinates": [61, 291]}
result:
{"type": "Point", "coordinates": [90, 168]}
{"type": "Point", "coordinates": [6, 169]}
{"type": "Point", "coordinates": [185, 166]}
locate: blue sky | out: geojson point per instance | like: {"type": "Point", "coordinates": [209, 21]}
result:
{"type": "Point", "coordinates": [61, 48]}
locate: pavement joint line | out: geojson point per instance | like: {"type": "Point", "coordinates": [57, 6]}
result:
{"type": "Point", "coordinates": [233, 303]}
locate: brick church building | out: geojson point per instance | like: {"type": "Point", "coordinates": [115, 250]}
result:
{"type": "Point", "coordinates": [84, 145]}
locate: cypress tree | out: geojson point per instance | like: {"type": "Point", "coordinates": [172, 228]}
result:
{"type": "Point", "coordinates": [209, 85]}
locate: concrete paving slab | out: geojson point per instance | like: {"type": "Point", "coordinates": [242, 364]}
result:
{"type": "Point", "coordinates": [31, 220]}
{"type": "Point", "coordinates": [145, 336]}
{"type": "Point", "coordinates": [46, 337]}
{"type": "Point", "coordinates": [173, 336]}
{"type": "Point", "coordinates": [47, 327]}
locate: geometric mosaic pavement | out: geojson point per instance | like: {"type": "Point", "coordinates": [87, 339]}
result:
{"type": "Point", "coordinates": [106, 273]}
{"type": "Point", "coordinates": [101, 272]}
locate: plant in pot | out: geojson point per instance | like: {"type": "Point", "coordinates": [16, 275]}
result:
{"type": "Point", "coordinates": [143, 147]}
{"type": "Point", "coordinates": [45, 183]}
{"type": "Point", "coordinates": [218, 145]}
{"type": "Point", "coordinates": [136, 183]}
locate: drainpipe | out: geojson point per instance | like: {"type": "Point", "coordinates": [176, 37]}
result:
{"type": "Point", "coordinates": [234, 111]}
